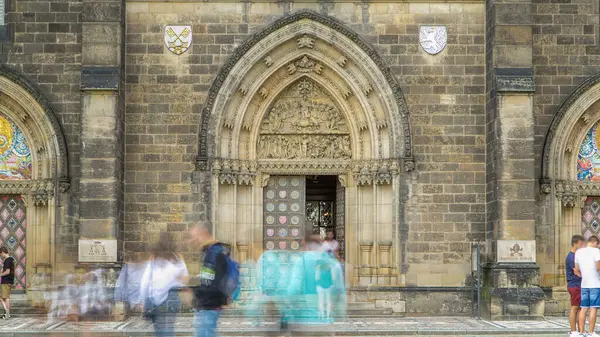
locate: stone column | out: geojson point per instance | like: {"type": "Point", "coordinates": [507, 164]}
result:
{"type": "Point", "coordinates": [511, 274]}
{"type": "Point", "coordinates": [102, 122]}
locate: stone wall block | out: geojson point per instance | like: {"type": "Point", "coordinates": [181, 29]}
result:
{"type": "Point", "coordinates": [101, 11]}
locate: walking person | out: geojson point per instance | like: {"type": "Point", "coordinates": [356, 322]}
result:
{"type": "Point", "coordinates": [164, 275]}
{"type": "Point", "coordinates": [574, 283]}
{"type": "Point", "coordinates": [587, 264]}
{"type": "Point", "coordinates": [208, 292]}
{"type": "Point", "coordinates": [8, 279]}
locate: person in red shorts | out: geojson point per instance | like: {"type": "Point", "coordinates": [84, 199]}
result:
{"type": "Point", "coordinates": [574, 283]}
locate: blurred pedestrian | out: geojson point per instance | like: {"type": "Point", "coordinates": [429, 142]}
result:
{"type": "Point", "coordinates": [325, 278]}
{"type": "Point", "coordinates": [330, 245]}
{"type": "Point", "coordinates": [208, 290]}
{"type": "Point", "coordinates": [163, 277]}
{"type": "Point", "coordinates": [127, 292]}
{"type": "Point", "coordinates": [8, 279]}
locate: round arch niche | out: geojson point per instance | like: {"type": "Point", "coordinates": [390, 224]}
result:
{"type": "Point", "coordinates": [268, 115]}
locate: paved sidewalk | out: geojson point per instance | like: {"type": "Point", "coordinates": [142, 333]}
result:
{"type": "Point", "coordinates": [229, 326]}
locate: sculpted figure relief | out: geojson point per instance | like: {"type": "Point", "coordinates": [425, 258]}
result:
{"type": "Point", "coordinates": [304, 123]}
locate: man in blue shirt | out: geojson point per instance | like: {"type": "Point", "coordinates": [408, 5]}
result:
{"type": "Point", "coordinates": [574, 282]}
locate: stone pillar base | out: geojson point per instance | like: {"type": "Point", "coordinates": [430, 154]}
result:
{"type": "Point", "coordinates": [511, 291]}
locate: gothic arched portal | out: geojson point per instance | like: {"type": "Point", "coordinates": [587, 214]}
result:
{"type": "Point", "coordinates": [33, 176]}
{"type": "Point", "coordinates": [306, 96]}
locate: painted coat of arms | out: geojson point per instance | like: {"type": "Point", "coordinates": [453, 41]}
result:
{"type": "Point", "coordinates": [433, 38]}
{"type": "Point", "coordinates": [178, 38]}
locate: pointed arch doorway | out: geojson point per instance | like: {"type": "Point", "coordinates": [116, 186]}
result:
{"type": "Point", "coordinates": [306, 97]}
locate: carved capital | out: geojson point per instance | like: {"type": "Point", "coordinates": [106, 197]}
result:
{"type": "Point", "coordinates": [264, 180]}
{"type": "Point", "coordinates": [409, 165]}
{"type": "Point", "coordinates": [41, 197]}
{"type": "Point", "coordinates": [64, 184]}
{"type": "Point", "coordinates": [545, 186]}
{"type": "Point", "coordinates": [569, 200]}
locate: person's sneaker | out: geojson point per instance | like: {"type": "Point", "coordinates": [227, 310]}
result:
{"type": "Point", "coordinates": [575, 334]}
{"type": "Point", "coordinates": [593, 334]}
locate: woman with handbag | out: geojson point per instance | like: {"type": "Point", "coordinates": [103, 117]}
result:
{"type": "Point", "coordinates": [164, 275]}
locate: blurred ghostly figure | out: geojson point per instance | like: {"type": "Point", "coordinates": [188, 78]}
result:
{"type": "Point", "coordinates": [65, 302]}
{"type": "Point", "coordinates": [164, 275]}
{"type": "Point", "coordinates": [94, 299]}
{"type": "Point", "coordinates": [129, 285]}
{"type": "Point", "coordinates": [325, 277]}
{"type": "Point", "coordinates": [316, 288]}
{"type": "Point", "coordinates": [272, 275]}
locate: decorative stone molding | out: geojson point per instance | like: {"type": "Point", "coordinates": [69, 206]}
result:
{"type": "Point", "coordinates": [27, 186]}
{"type": "Point", "coordinates": [234, 172]}
{"type": "Point", "coordinates": [570, 193]}
{"type": "Point", "coordinates": [379, 172]}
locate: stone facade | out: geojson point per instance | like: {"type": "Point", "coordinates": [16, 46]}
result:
{"type": "Point", "coordinates": [465, 130]}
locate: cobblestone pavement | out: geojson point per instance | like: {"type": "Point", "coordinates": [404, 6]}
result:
{"type": "Point", "coordinates": [230, 326]}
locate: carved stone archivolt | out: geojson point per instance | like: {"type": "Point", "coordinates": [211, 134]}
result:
{"type": "Point", "coordinates": [322, 50]}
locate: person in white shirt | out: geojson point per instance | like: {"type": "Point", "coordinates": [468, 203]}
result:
{"type": "Point", "coordinates": [587, 264]}
{"type": "Point", "coordinates": [164, 274]}
{"type": "Point", "coordinates": [330, 245]}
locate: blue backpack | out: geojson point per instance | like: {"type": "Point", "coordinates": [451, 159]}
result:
{"type": "Point", "coordinates": [231, 285]}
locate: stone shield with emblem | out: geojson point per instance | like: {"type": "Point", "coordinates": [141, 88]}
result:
{"type": "Point", "coordinates": [433, 38]}
{"type": "Point", "coordinates": [178, 38]}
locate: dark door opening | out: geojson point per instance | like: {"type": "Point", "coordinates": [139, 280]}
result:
{"type": "Point", "coordinates": [325, 207]}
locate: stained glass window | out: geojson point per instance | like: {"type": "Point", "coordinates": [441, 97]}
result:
{"type": "Point", "coordinates": [15, 156]}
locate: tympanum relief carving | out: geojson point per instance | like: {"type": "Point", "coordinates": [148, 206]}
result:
{"type": "Point", "coordinates": [304, 123]}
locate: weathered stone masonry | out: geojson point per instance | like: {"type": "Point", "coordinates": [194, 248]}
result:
{"type": "Point", "coordinates": [131, 114]}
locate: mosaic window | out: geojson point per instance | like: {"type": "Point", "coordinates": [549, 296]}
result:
{"type": "Point", "coordinates": [15, 156]}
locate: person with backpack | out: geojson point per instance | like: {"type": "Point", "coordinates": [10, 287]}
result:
{"type": "Point", "coordinates": [8, 279]}
{"type": "Point", "coordinates": [217, 283]}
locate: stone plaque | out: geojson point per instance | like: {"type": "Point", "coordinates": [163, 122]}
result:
{"type": "Point", "coordinates": [98, 250]}
{"type": "Point", "coordinates": [520, 251]}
